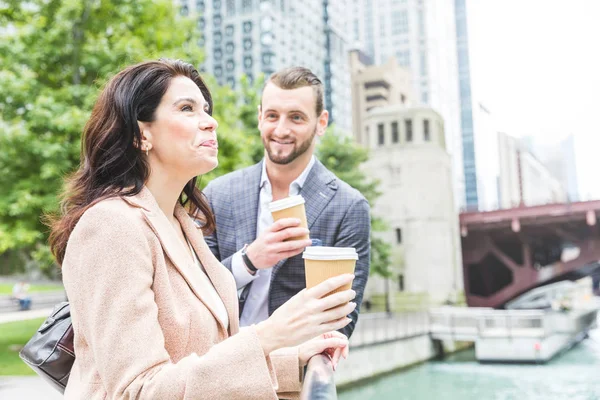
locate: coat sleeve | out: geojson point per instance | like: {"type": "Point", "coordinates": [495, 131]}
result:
{"type": "Point", "coordinates": [355, 231]}
{"type": "Point", "coordinates": [108, 274]}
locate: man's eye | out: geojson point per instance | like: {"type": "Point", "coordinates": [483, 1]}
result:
{"type": "Point", "coordinates": [296, 117]}
{"type": "Point", "coordinates": [271, 116]}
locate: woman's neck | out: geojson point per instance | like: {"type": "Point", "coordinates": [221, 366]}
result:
{"type": "Point", "coordinates": [166, 192]}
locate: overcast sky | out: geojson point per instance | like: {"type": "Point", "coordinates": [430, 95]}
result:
{"type": "Point", "coordinates": [535, 64]}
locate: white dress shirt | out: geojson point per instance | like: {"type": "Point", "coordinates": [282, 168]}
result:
{"type": "Point", "coordinates": [256, 308]}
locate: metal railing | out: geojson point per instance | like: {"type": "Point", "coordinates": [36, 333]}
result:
{"type": "Point", "coordinates": [377, 328]}
{"type": "Point", "coordinates": [318, 381]}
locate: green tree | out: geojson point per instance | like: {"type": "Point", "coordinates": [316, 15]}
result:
{"type": "Point", "coordinates": [54, 57]}
{"type": "Point", "coordinates": [344, 158]}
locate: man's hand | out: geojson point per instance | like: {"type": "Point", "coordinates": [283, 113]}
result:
{"type": "Point", "coordinates": [270, 247]}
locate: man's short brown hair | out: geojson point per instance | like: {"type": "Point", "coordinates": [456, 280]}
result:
{"type": "Point", "coordinates": [297, 77]}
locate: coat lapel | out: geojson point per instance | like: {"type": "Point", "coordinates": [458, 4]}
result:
{"type": "Point", "coordinates": [217, 273]}
{"type": "Point", "coordinates": [177, 251]}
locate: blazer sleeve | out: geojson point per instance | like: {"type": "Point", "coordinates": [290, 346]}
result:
{"type": "Point", "coordinates": [212, 239]}
{"type": "Point", "coordinates": [355, 231]}
{"type": "Point", "coordinates": [108, 274]}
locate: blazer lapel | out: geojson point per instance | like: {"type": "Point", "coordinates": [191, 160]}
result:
{"type": "Point", "coordinates": [245, 205]}
{"type": "Point", "coordinates": [318, 190]}
{"type": "Point", "coordinates": [175, 250]}
{"type": "Point", "coordinates": [216, 272]}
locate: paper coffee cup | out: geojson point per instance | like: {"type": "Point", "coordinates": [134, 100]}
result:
{"type": "Point", "coordinates": [290, 207]}
{"type": "Point", "coordinates": [322, 263]}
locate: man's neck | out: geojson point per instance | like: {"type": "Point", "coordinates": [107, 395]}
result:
{"type": "Point", "coordinates": [282, 176]}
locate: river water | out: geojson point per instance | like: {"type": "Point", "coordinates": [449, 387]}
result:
{"type": "Point", "coordinates": [572, 375]}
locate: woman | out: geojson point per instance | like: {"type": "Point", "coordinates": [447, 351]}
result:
{"type": "Point", "coordinates": [154, 313]}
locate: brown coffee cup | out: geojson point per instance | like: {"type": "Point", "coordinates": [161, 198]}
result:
{"type": "Point", "coordinates": [322, 263]}
{"type": "Point", "coordinates": [290, 207]}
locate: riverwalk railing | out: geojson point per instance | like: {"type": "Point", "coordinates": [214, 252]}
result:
{"type": "Point", "coordinates": [375, 328]}
{"type": "Point", "coordinates": [318, 381]}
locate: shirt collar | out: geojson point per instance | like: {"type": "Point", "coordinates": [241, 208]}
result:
{"type": "Point", "coordinates": [299, 181]}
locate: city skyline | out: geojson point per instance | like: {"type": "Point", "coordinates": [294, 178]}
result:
{"type": "Point", "coordinates": [534, 67]}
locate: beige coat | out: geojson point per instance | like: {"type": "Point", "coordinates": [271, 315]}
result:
{"type": "Point", "coordinates": [145, 327]}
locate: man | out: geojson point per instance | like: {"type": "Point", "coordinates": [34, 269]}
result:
{"type": "Point", "coordinates": [267, 269]}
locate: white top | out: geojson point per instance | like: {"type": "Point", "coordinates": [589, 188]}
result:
{"type": "Point", "coordinates": [330, 253]}
{"type": "Point", "coordinates": [256, 308]}
{"type": "Point", "coordinates": [216, 299]}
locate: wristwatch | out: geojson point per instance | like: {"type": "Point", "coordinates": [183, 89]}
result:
{"type": "Point", "coordinates": [247, 261]}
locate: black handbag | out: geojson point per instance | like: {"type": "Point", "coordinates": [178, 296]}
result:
{"type": "Point", "coordinates": [50, 351]}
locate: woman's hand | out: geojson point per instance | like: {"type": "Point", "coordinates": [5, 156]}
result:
{"type": "Point", "coordinates": [334, 344]}
{"type": "Point", "coordinates": [308, 315]}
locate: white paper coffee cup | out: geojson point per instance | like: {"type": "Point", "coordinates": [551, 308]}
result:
{"type": "Point", "coordinates": [290, 207]}
{"type": "Point", "coordinates": [322, 263]}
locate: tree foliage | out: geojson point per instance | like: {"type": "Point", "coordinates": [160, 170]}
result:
{"type": "Point", "coordinates": [55, 56]}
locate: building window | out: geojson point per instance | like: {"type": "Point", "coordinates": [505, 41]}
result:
{"type": "Point", "coordinates": [218, 54]}
{"type": "Point", "coordinates": [200, 5]}
{"type": "Point", "coordinates": [230, 65]}
{"type": "Point", "coordinates": [399, 22]}
{"type": "Point", "coordinates": [231, 82]}
{"type": "Point", "coordinates": [380, 135]}
{"type": "Point", "coordinates": [398, 236]}
{"type": "Point", "coordinates": [229, 47]}
{"type": "Point", "coordinates": [201, 23]}
{"type": "Point", "coordinates": [218, 72]}
{"type": "Point", "coordinates": [247, 44]}
{"type": "Point", "coordinates": [229, 30]}
{"type": "Point", "coordinates": [184, 10]}
{"type": "Point", "coordinates": [217, 20]}
{"type": "Point", "coordinates": [217, 38]}
{"type": "Point", "coordinates": [216, 4]}
{"type": "Point", "coordinates": [246, 5]}
{"type": "Point", "coordinates": [247, 26]}
{"type": "Point", "coordinates": [248, 62]}
{"type": "Point", "coordinates": [230, 7]}
{"type": "Point", "coordinates": [401, 282]}
{"type": "Point", "coordinates": [426, 133]}
{"type": "Point", "coordinates": [408, 128]}
{"type": "Point", "coordinates": [395, 133]}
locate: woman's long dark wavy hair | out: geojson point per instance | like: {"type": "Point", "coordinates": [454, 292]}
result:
{"type": "Point", "coordinates": [112, 162]}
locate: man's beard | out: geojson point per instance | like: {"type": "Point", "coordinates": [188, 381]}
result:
{"type": "Point", "coordinates": [296, 152]}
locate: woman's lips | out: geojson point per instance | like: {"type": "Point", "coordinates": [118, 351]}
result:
{"type": "Point", "coordinates": [210, 143]}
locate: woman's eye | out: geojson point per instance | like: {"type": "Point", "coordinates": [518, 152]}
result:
{"type": "Point", "coordinates": [187, 108]}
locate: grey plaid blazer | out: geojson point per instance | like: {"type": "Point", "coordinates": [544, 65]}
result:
{"type": "Point", "coordinates": [336, 213]}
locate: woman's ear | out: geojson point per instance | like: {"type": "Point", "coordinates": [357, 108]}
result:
{"type": "Point", "coordinates": [146, 136]}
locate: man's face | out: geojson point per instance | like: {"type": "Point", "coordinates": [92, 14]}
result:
{"type": "Point", "coordinates": [288, 123]}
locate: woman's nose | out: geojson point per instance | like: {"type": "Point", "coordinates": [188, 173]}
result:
{"type": "Point", "coordinates": [208, 123]}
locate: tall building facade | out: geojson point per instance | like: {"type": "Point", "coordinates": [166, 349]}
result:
{"type": "Point", "coordinates": [466, 109]}
{"type": "Point", "coordinates": [560, 160]}
{"type": "Point", "coordinates": [255, 37]}
{"type": "Point", "coordinates": [421, 34]}
{"type": "Point", "coordinates": [524, 179]}
{"type": "Point", "coordinates": [408, 156]}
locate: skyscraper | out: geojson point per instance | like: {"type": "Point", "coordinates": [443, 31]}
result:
{"type": "Point", "coordinates": [421, 34]}
{"type": "Point", "coordinates": [256, 37]}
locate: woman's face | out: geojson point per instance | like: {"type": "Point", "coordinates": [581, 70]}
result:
{"type": "Point", "coordinates": [183, 137]}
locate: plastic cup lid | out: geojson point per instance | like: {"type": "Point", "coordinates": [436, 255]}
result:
{"type": "Point", "coordinates": [330, 253]}
{"type": "Point", "coordinates": [286, 203]}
